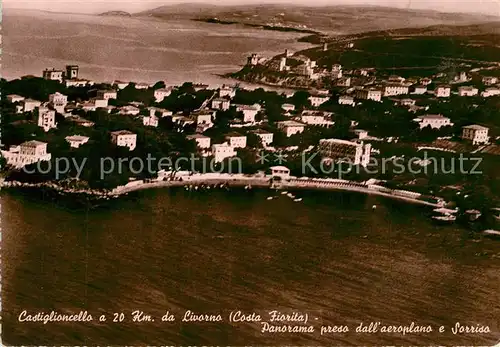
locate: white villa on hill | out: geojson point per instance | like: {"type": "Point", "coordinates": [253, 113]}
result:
{"type": "Point", "coordinates": [290, 127]}
{"type": "Point", "coordinates": [124, 138]}
{"type": "Point", "coordinates": [334, 150]}
{"type": "Point", "coordinates": [75, 141]}
{"type": "Point", "coordinates": [236, 140]}
{"type": "Point", "coordinates": [266, 137]}
{"type": "Point", "coordinates": [46, 119]}
{"type": "Point", "coordinates": [435, 121]}
{"type": "Point", "coordinates": [222, 151]}
{"type": "Point", "coordinates": [26, 153]}
{"type": "Point", "coordinates": [476, 133]}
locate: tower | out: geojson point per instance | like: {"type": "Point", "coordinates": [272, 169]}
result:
{"type": "Point", "coordinates": [72, 71]}
{"type": "Point", "coordinates": [283, 64]}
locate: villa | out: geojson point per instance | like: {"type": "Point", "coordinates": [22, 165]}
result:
{"type": "Point", "coordinates": [467, 91]}
{"type": "Point", "coordinates": [318, 99]}
{"type": "Point", "coordinates": [129, 110]}
{"type": "Point", "coordinates": [46, 119]}
{"type": "Point", "coordinates": [53, 75]}
{"type": "Point", "coordinates": [490, 92]}
{"type": "Point", "coordinates": [150, 121]}
{"type": "Point", "coordinates": [227, 91]}
{"type": "Point", "coordinates": [266, 137]}
{"type": "Point", "coordinates": [249, 112]}
{"type": "Point", "coordinates": [107, 94]}
{"type": "Point", "coordinates": [334, 150]}
{"type": "Point", "coordinates": [346, 100]}
{"type": "Point", "coordinates": [369, 94]}
{"type": "Point", "coordinates": [419, 89]}
{"type": "Point", "coordinates": [442, 91]}
{"type": "Point", "coordinates": [202, 141]}
{"type": "Point", "coordinates": [124, 138]}
{"type": "Point", "coordinates": [221, 104]}
{"type": "Point", "coordinates": [236, 140]}
{"type": "Point", "coordinates": [476, 133]}
{"type": "Point", "coordinates": [489, 80]}
{"type": "Point", "coordinates": [291, 127]}
{"type": "Point", "coordinates": [288, 107]}
{"type": "Point", "coordinates": [76, 141]}
{"type": "Point", "coordinates": [13, 98]}
{"type": "Point", "coordinates": [58, 101]}
{"type": "Point", "coordinates": [222, 151]}
{"type": "Point", "coordinates": [26, 153]}
{"type": "Point", "coordinates": [392, 89]}
{"type": "Point", "coordinates": [435, 121]}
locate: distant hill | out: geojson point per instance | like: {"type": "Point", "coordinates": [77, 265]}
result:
{"type": "Point", "coordinates": [116, 13]}
{"type": "Point", "coordinates": [328, 19]}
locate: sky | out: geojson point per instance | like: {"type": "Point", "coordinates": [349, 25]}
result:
{"type": "Point", "coordinates": [491, 7]}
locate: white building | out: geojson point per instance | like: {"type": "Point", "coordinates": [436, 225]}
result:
{"type": "Point", "coordinates": [202, 141]}
{"type": "Point", "coordinates": [221, 104]}
{"type": "Point", "coordinates": [435, 121]}
{"type": "Point", "coordinates": [203, 117]}
{"type": "Point", "coordinates": [369, 94]}
{"type": "Point", "coordinates": [344, 82]}
{"type": "Point", "coordinates": [58, 101]}
{"type": "Point", "coordinates": [222, 151]}
{"type": "Point", "coordinates": [161, 94]}
{"type": "Point", "coordinates": [107, 94]}
{"type": "Point", "coordinates": [142, 86]}
{"type": "Point", "coordinates": [490, 92]}
{"type": "Point", "coordinates": [361, 134]}
{"type": "Point", "coordinates": [419, 89]}
{"type": "Point", "coordinates": [76, 82]}
{"type": "Point", "coordinates": [335, 150]}
{"type": "Point", "coordinates": [76, 141]}
{"type": "Point", "coordinates": [290, 127]}
{"type": "Point", "coordinates": [150, 121]}
{"type": "Point", "coordinates": [46, 118]}
{"type": "Point", "coordinates": [227, 91]}
{"type": "Point", "coordinates": [249, 112]}
{"type": "Point", "coordinates": [442, 91]}
{"type": "Point", "coordinates": [266, 137]}
{"type": "Point", "coordinates": [236, 140]}
{"type": "Point", "coordinates": [407, 102]}
{"type": "Point", "coordinates": [392, 89]}
{"type": "Point", "coordinates": [311, 117]}
{"type": "Point", "coordinates": [288, 107]}
{"type": "Point", "coordinates": [467, 91]}
{"type": "Point", "coordinates": [490, 80]}
{"type": "Point", "coordinates": [475, 133]}
{"type": "Point", "coordinates": [13, 98]}
{"type": "Point", "coordinates": [29, 105]}
{"type": "Point", "coordinates": [129, 110]}
{"type": "Point", "coordinates": [124, 138]}
{"type": "Point", "coordinates": [318, 99]}
{"type": "Point", "coordinates": [26, 153]}
{"type": "Point", "coordinates": [53, 75]}
{"type": "Point", "coordinates": [346, 100]}
{"type": "Point", "coordinates": [280, 171]}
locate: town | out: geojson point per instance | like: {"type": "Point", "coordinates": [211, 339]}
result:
{"type": "Point", "coordinates": [364, 115]}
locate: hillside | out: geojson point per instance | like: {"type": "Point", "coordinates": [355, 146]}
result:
{"type": "Point", "coordinates": [116, 13]}
{"type": "Point", "coordinates": [329, 19]}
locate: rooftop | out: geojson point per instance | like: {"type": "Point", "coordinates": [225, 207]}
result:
{"type": "Point", "coordinates": [197, 136]}
{"type": "Point", "coordinates": [291, 123]}
{"type": "Point", "coordinates": [475, 127]}
{"type": "Point", "coordinates": [122, 132]}
{"type": "Point", "coordinates": [33, 143]}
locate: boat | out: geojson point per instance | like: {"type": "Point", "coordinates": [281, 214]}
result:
{"type": "Point", "coordinates": [491, 233]}
{"type": "Point", "coordinates": [283, 193]}
{"type": "Point", "coordinates": [269, 198]}
{"type": "Point", "coordinates": [446, 218]}
{"type": "Point", "coordinates": [473, 214]}
{"type": "Point", "coordinates": [290, 195]}
{"type": "Point", "coordinates": [445, 211]}
{"type": "Point", "coordinates": [297, 200]}
{"type": "Point", "coordinates": [374, 207]}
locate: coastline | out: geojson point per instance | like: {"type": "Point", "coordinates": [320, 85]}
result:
{"type": "Point", "coordinates": [236, 180]}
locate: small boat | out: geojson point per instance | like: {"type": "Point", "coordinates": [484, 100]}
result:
{"type": "Point", "coordinates": [445, 211]}
{"type": "Point", "coordinates": [269, 198]}
{"type": "Point", "coordinates": [297, 200]}
{"type": "Point", "coordinates": [283, 193]}
{"type": "Point", "coordinates": [491, 233]}
{"type": "Point", "coordinates": [374, 207]}
{"type": "Point", "coordinates": [448, 218]}
{"type": "Point", "coordinates": [290, 195]}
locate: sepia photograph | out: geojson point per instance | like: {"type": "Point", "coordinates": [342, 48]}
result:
{"type": "Point", "coordinates": [250, 173]}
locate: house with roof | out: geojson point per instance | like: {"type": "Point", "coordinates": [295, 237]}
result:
{"type": "Point", "coordinates": [121, 84]}
{"type": "Point", "coordinates": [202, 141]}
{"type": "Point", "coordinates": [442, 91]}
{"type": "Point", "coordinates": [129, 110]}
{"type": "Point", "coordinates": [369, 94]}
{"type": "Point", "coordinates": [236, 140]}
{"type": "Point", "coordinates": [28, 105]}
{"type": "Point", "coordinates": [392, 89]}
{"type": "Point", "coordinates": [124, 138]}
{"type": "Point", "coordinates": [316, 118]}
{"type": "Point", "coordinates": [227, 91]}
{"type": "Point", "coordinates": [494, 91]}
{"type": "Point", "coordinates": [13, 98]}
{"type": "Point", "coordinates": [290, 127]}
{"type": "Point", "coordinates": [419, 89]}
{"type": "Point", "coordinates": [46, 119]}
{"type": "Point", "coordinates": [53, 75]}
{"type": "Point", "coordinates": [222, 151]}
{"type": "Point", "coordinates": [222, 104]}
{"type": "Point", "coordinates": [288, 107]}
{"type": "Point", "coordinates": [249, 112]}
{"type": "Point", "coordinates": [435, 121]}
{"type": "Point", "coordinates": [142, 86]}
{"type": "Point", "coordinates": [336, 150]}
{"type": "Point", "coordinates": [266, 137]}
{"type": "Point", "coordinates": [476, 133]}
{"type": "Point", "coordinates": [467, 91]}
{"type": "Point", "coordinates": [489, 80]}
{"type": "Point", "coordinates": [150, 121]}
{"type": "Point", "coordinates": [75, 141]}
{"type": "Point", "coordinates": [107, 94]}
{"type": "Point", "coordinates": [317, 99]}
{"type": "Point", "coordinates": [346, 100]}
{"type": "Point", "coordinates": [58, 101]}
{"type": "Point", "coordinates": [27, 153]}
